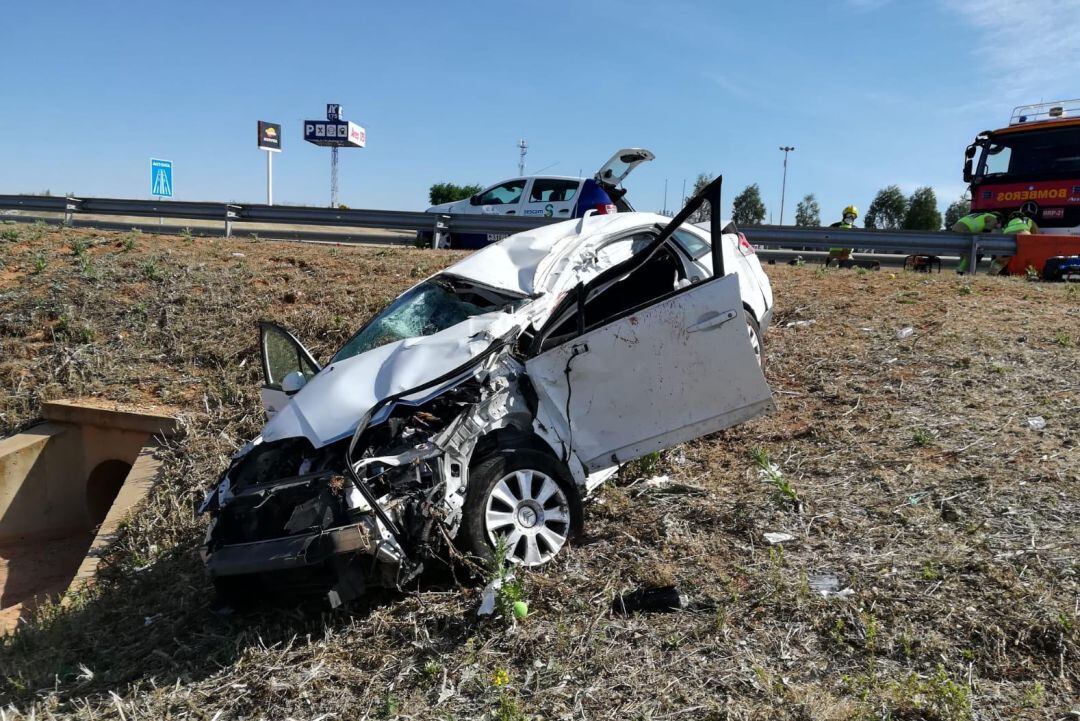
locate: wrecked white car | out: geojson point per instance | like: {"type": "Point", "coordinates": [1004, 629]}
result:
{"type": "Point", "coordinates": [481, 406]}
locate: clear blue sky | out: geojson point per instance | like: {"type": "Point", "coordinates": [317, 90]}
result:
{"type": "Point", "coordinates": [870, 92]}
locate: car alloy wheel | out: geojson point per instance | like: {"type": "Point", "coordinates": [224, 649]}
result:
{"type": "Point", "coordinates": [529, 512]}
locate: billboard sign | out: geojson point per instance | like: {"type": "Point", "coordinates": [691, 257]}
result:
{"type": "Point", "coordinates": [333, 111]}
{"type": "Point", "coordinates": [335, 133]}
{"type": "Point", "coordinates": [270, 136]}
{"type": "Point", "coordinates": [161, 178]}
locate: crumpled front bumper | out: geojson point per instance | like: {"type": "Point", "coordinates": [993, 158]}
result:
{"type": "Point", "coordinates": [290, 552]}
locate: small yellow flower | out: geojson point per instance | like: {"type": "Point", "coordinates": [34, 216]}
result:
{"type": "Point", "coordinates": [500, 678]}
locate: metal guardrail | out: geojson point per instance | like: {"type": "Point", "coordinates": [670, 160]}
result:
{"type": "Point", "coordinates": [907, 242]}
{"type": "Point", "coordinates": [440, 226]}
{"type": "Point", "coordinates": [437, 224]}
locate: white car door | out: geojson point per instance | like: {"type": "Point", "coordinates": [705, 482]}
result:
{"type": "Point", "coordinates": [655, 377]}
{"type": "Point", "coordinates": [281, 354]}
{"type": "Point", "coordinates": [551, 197]}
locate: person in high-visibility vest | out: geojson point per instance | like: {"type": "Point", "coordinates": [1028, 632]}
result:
{"type": "Point", "coordinates": [977, 223]}
{"type": "Point", "coordinates": [1020, 224]}
{"type": "Point", "coordinates": [973, 223]}
{"type": "Point", "coordinates": [843, 254]}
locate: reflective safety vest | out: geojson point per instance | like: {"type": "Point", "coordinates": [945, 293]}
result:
{"type": "Point", "coordinates": [846, 226]}
{"type": "Point", "coordinates": [976, 223]}
{"type": "Point", "coordinates": [1020, 225]}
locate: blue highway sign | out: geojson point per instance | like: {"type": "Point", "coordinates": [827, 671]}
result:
{"type": "Point", "coordinates": [161, 183]}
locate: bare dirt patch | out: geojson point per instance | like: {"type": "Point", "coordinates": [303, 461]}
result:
{"type": "Point", "coordinates": [918, 490]}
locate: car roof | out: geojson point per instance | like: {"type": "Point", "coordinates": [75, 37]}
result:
{"type": "Point", "coordinates": [519, 263]}
{"type": "Point", "coordinates": [538, 177]}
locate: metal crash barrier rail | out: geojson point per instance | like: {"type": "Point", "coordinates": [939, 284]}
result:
{"type": "Point", "coordinates": [440, 226]}
{"type": "Point", "coordinates": [875, 241]}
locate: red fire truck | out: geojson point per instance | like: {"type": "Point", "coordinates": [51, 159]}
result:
{"type": "Point", "coordinates": [1032, 166]}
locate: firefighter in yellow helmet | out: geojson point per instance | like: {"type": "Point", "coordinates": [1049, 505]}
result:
{"type": "Point", "coordinates": [843, 255]}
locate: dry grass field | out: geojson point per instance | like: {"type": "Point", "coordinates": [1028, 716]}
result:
{"type": "Point", "coordinates": [932, 571]}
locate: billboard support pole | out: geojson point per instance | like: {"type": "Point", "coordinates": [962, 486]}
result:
{"type": "Point", "coordinates": [333, 177]}
{"type": "Point", "coordinates": [269, 178]}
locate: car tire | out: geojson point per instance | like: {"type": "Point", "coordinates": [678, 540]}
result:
{"type": "Point", "coordinates": [525, 496]}
{"type": "Point", "coordinates": [756, 341]}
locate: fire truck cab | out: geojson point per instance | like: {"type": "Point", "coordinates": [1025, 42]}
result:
{"type": "Point", "coordinates": [1033, 165]}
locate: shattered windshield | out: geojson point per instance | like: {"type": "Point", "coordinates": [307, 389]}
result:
{"type": "Point", "coordinates": [426, 309]}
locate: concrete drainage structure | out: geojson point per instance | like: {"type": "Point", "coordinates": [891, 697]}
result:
{"type": "Point", "coordinates": [65, 486]}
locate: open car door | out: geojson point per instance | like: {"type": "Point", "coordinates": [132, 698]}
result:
{"type": "Point", "coordinates": [673, 368]}
{"type": "Point", "coordinates": [282, 355]}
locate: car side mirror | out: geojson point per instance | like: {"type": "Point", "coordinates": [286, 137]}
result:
{"type": "Point", "coordinates": [968, 176]}
{"type": "Point", "coordinates": [293, 382]}
{"type": "Point", "coordinates": [475, 200]}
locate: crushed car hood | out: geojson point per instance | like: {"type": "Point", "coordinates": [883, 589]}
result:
{"type": "Point", "coordinates": [523, 262]}
{"type": "Point", "coordinates": [329, 407]}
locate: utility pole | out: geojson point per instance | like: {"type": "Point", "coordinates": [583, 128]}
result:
{"type": "Point", "coordinates": [665, 196]}
{"type": "Point", "coordinates": [783, 188]}
{"type": "Point", "coordinates": [523, 147]}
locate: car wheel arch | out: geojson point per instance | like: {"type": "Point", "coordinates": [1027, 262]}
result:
{"type": "Point", "coordinates": [512, 438]}
{"type": "Point", "coordinates": [755, 324]}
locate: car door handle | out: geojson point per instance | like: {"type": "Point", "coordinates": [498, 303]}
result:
{"type": "Point", "coordinates": [511, 212]}
{"type": "Point", "coordinates": [564, 210]}
{"type": "Point", "coordinates": [713, 319]}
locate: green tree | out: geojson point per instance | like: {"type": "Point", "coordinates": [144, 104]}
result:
{"type": "Point", "coordinates": [748, 208]}
{"type": "Point", "coordinates": [703, 213]}
{"type": "Point", "coordinates": [957, 210]}
{"type": "Point", "coordinates": [922, 212]}
{"type": "Point", "coordinates": [888, 209]}
{"type": "Point", "coordinates": [808, 212]}
{"type": "Point", "coordinates": [449, 192]}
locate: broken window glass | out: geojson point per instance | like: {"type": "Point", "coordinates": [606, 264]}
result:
{"type": "Point", "coordinates": [426, 309]}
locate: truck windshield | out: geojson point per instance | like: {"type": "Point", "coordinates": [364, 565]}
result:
{"type": "Point", "coordinates": [1032, 155]}
{"type": "Point", "coordinates": [425, 309]}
